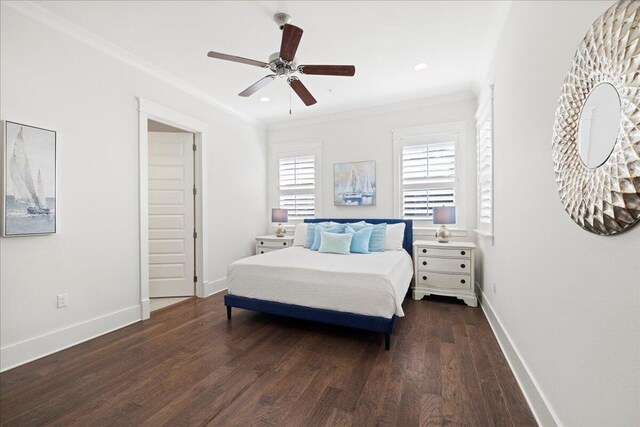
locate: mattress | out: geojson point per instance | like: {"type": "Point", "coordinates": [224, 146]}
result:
{"type": "Point", "coordinates": [369, 284]}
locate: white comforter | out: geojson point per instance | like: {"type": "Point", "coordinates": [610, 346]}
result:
{"type": "Point", "coordinates": [370, 284]}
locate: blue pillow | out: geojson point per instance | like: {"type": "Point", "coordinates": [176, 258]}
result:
{"type": "Point", "coordinates": [376, 243]}
{"type": "Point", "coordinates": [335, 243]}
{"type": "Point", "coordinates": [318, 238]}
{"type": "Point", "coordinates": [360, 240]}
{"type": "Point", "coordinates": [311, 231]}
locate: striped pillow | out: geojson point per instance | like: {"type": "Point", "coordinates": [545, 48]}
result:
{"type": "Point", "coordinates": [376, 242]}
{"type": "Point", "coordinates": [311, 231]}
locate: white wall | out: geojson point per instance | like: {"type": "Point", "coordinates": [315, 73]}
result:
{"type": "Point", "coordinates": [51, 80]}
{"type": "Point", "coordinates": [367, 135]}
{"type": "Point", "coordinates": [569, 300]}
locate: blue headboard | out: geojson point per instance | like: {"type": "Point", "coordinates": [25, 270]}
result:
{"type": "Point", "coordinates": [407, 244]}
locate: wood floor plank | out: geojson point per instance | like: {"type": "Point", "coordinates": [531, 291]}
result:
{"type": "Point", "coordinates": [452, 394]}
{"type": "Point", "coordinates": [515, 401]}
{"type": "Point", "coordinates": [324, 409]}
{"type": "Point", "coordinates": [493, 399]}
{"type": "Point", "coordinates": [474, 410]}
{"type": "Point", "coordinates": [431, 410]}
{"type": "Point", "coordinates": [188, 365]}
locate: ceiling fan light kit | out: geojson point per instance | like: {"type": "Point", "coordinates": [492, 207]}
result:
{"type": "Point", "coordinates": [283, 63]}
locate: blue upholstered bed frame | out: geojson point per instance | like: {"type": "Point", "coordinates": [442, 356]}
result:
{"type": "Point", "coordinates": [352, 320]}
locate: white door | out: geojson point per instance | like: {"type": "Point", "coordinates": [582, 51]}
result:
{"type": "Point", "coordinates": [171, 222]}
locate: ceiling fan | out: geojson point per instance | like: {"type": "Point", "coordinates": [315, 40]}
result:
{"type": "Point", "coordinates": [283, 63]}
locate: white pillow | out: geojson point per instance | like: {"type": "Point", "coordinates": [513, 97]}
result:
{"type": "Point", "coordinates": [300, 235]}
{"type": "Point", "coordinates": [394, 236]}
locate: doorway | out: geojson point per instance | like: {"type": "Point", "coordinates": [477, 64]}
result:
{"type": "Point", "coordinates": [172, 225]}
{"type": "Point", "coordinates": [172, 208]}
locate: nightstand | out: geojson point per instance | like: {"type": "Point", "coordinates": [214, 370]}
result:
{"type": "Point", "coordinates": [444, 269]}
{"type": "Point", "coordinates": [266, 244]}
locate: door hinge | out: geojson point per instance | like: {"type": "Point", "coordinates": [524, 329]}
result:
{"type": "Point", "coordinates": [195, 147]}
{"type": "Point", "coordinates": [195, 279]}
{"type": "Point", "coordinates": [195, 234]}
{"type": "Point", "coordinates": [195, 190]}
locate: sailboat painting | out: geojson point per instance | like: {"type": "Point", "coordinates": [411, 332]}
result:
{"type": "Point", "coordinates": [29, 164]}
{"type": "Point", "coordinates": [354, 183]}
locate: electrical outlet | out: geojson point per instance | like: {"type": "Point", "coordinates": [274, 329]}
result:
{"type": "Point", "coordinates": [63, 300]}
{"type": "Point", "coordinates": [494, 287]}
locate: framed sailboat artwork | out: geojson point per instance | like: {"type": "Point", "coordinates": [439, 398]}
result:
{"type": "Point", "coordinates": [354, 183]}
{"type": "Point", "coordinates": [29, 180]}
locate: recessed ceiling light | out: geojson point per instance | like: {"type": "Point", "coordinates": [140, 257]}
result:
{"type": "Point", "coordinates": [265, 99]}
{"type": "Point", "coordinates": [421, 66]}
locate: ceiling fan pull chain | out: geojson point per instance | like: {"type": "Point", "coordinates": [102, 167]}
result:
{"type": "Point", "coordinates": [290, 100]}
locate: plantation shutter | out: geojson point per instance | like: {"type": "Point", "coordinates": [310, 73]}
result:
{"type": "Point", "coordinates": [428, 178]}
{"type": "Point", "coordinates": [484, 135]}
{"type": "Point", "coordinates": [485, 207]}
{"type": "Point", "coordinates": [296, 185]}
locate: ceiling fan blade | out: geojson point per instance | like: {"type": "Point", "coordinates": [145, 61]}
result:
{"type": "Point", "coordinates": [257, 85]}
{"type": "Point", "coordinates": [328, 70]}
{"type": "Point", "coordinates": [291, 36]}
{"type": "Point", "coordinates": [239, 59]}
{"type": "Point", "coordinates": [301, 91]}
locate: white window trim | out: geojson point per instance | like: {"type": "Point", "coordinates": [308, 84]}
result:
{"type": "Point", "coordinates": [485, 108]}
{"type": "Point", "coordinates": [402, 137]}
{"type": "Point", "coordinates": [277, 150]}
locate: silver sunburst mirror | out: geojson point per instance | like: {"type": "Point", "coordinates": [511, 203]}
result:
{"type": "Point", "coordinates": [596, 135]}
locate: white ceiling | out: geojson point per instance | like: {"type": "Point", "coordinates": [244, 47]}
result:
{"type": "Point", "coordinates": [383, 39]}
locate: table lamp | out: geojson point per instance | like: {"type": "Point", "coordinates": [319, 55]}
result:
{"type": "Point", "coordinates": [280, 216]}
{"type": "Point", "coordinates": [444, 215]}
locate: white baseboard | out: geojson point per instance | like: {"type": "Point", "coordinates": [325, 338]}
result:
{"type": "Point", "coordinates": [539, 404]}
{"type": "Point", "coordinates": [26, 351]}
{"type": "Point", "coordinates": [214, 287]}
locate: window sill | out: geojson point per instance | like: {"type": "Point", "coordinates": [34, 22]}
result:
{"type": "Point", "coordinates": [485, 234]}
{"type": "Point", "coordinates": [431, 231]}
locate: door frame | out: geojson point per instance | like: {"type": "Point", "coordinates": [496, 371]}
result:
{"type": "Point", "coordinates": [150, 110]}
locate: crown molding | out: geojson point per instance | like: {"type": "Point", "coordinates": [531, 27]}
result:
{"type": "Point", "coordinates": [377, 110]}
{"type": "Point", "coordinates": [62, 25]}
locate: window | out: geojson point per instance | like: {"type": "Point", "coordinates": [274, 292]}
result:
{"type": "Point", "coordinates": [426, 175]}
{"type": "Point", "coordinates": [296, 186]}
{"type": "Point", "coordinates": [295, 178]}
{"type": "Point", "coordinates": [428, 178]}
{"type": "Point", "coordinates": [484, 134]}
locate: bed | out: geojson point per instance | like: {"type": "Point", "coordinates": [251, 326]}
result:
{"type": "Point", "coordinates": [356, 290]}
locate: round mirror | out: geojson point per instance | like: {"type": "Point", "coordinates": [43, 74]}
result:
{"type": "Point", "coordinates": [599, 125]}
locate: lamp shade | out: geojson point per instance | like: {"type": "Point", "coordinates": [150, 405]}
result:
{"type": "Point", "coordinates": [279, 215]}
{"type": "Point", "coordinates": [444, 215]}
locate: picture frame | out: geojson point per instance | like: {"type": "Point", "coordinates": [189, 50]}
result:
{"type": "Point", "coordinates": [29, 180]}
{"type": "Point", "coordinates": [354, 183]}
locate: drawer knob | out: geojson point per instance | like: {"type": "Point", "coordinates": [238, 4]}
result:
{"type": "Point", "coordinates": [462, 252]}
{"type": "Point", "coordinates": [424, 262]}
{"type": "Point", "coordinates": [424, 251]}
{"type": "Point", "coordinates": [462, 281]}
{"type": "Point", "coordinates": [424, 277]}
{"type": "Point", "coordinates": [462, 265]}
{"type": "Point", "coordinates": [284, 243]}
{"type": "Point", "coordinates": [262, 243]}
{"type": "Point", "coordinates": [261, 252]}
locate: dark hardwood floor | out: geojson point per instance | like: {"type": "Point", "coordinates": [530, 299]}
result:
{"type": "Point", "coordinates": [188, 365]}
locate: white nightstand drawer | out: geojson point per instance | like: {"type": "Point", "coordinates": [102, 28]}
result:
{"type": "Point", "coordinates": [276, 244]}
{"type": "Point", "coordinates": [444, 281]}
{"type": "Point", "coordinates": [446, 265]}
{"type": "Point", "coordinates": [447, 253]}
{"type": "Point", "coordinates": [265, 250]}
{"type": "Point", "coordinates": [266, 244]}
